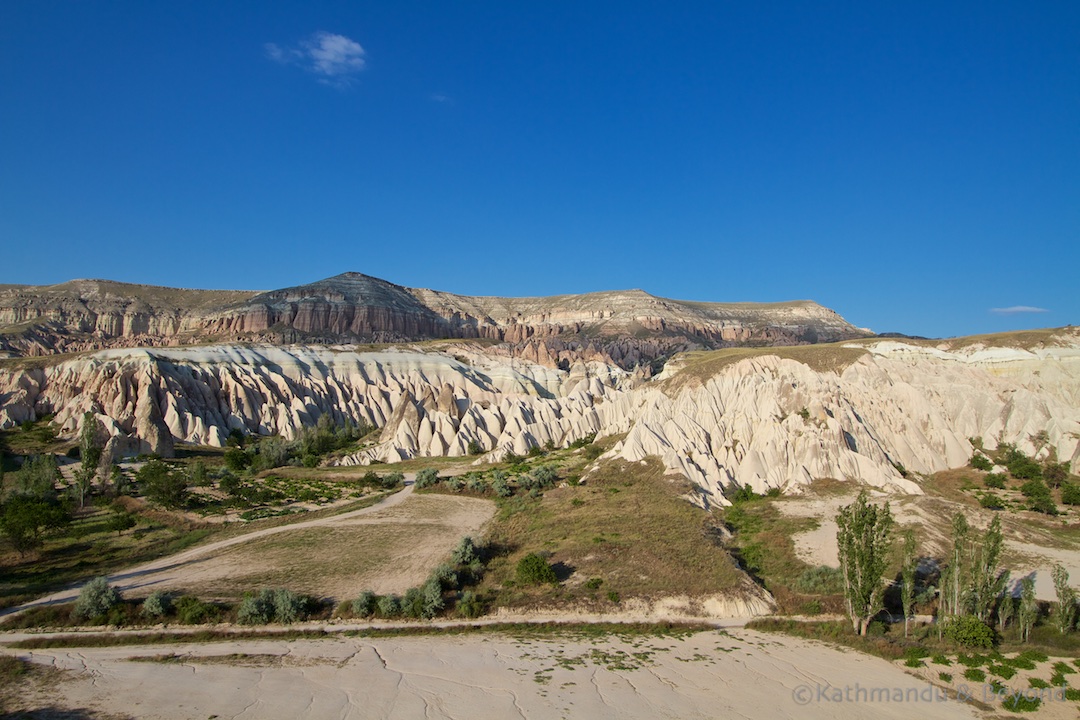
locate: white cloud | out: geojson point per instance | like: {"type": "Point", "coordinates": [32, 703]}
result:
{"type": "Point", "coordinates": [1017, 309]}
{"type": "Point", "coordinates": [334, 58]}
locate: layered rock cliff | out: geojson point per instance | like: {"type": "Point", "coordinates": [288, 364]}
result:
{"type": "Point", "coordinates": [765, 418]}
{"type": "Point", "coordinates": [626, 328]}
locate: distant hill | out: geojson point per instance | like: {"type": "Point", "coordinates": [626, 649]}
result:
{"type": "Point", "coordinates": [628, 327]}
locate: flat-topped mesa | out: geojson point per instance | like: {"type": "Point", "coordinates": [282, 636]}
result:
{"type": "Point", "coordinates": [625, 327]}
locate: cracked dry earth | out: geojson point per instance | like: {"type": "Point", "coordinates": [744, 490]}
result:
{"type": "Point", "coordinates": [738, 674]}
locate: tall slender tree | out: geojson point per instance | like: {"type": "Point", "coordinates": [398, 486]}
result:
{"type": "Point", "coordinates": [864, 534]}
{"type": "Point", "coordinates": [1028, 612]}
{"type": "Point", "coordinates": [907, 577]}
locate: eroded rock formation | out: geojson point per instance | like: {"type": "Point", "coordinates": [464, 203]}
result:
{"type": "Point", "coordinates": [763, 420]}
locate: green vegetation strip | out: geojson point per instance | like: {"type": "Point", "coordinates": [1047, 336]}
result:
{"type": "Point", "coordinates": [541, 630]}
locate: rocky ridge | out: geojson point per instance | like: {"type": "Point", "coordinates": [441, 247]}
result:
{"type": "Point", "coordinates": [626, 328]}
{"type": "Point", "coordinates": [762, 420]}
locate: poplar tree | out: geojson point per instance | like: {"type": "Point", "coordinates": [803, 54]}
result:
{"type": "Point", "coordinates": [864, 538]}
{"type": "Point", "coordinates": [907, 577]}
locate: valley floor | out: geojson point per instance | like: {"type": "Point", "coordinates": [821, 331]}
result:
{"type": "Point", "coordinates": [737, 673]}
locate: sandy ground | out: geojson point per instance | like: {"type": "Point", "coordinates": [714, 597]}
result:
{"type": "Point", "coordinates": [729, 674]}
{"type": "Point", "coordinates": [225, 563]}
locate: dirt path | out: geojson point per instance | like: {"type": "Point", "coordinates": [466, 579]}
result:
{"type": "Point", "coordinates": [190, 566]}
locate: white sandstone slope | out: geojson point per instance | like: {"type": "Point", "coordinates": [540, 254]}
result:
{"type": "Point", "coordinates": [764, 421]}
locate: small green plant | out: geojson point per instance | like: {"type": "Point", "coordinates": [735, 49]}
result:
{"type": "Point", "coordinates": [974, 675]}
{"type": "Point", "coordinates": [997, 481]}
{"type": "Point", "coordinates": [535, 570]}
{"type": "Point", "coordinates": [1018, 702]}
{"type": "Point", "coordinates": [614, 597]}
{"type": "Point", "coordinates": [940, 659]}
{"type": "Point", "coordinates": [156, 604]}
{"type": "Point", "coordinates": [389, 606]}
{"type": "Point", "coordinates": [191, 610]}
{"type": "Point", "coordinates": [944, 677]}
{"type": "Point", "coordinates": [981, 462]}
{"type": "Point", "coordinates": [594, 583]}
{"type": "Point", "coordinates": [469, 606]}
{"type": "Point", "coordinates": [364, 606]}
{"type": "Point", "coordinates": [96, 598]}
{"type": "Point", "coordinates": [1038, 683]}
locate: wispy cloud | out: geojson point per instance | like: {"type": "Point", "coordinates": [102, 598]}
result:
{"type": "Point", "coordinates": [1017, 309]}
{"type": "Point", "coordinates": [440, 98]}
{"type": "Point", "coordinates": [335, 59]}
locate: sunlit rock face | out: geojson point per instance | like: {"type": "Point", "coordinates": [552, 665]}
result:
{"type": "Point", "coordinates": [625, 328]}
{"type": "Point", "coordinates": [763, 421]}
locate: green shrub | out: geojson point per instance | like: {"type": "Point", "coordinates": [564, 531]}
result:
{"type": "Point", "coordinates": [1018, 702]}
{"type": "Point", "coordinates": [981, 462]}
{"type": "Point", "coordinates": [465, 552]}
{"type": "Point", "coordinates": [289, 607]}
{"type": "Point", "coordinates": [974, 675]}
{"type": "Point", "coordinates": [969, 631]}
{"type": "Point", "coordinates": [469, 606]}
{"type": "Point", "coordinates": [1070, 494]}
{"type": "Point", "coordinates": [256, 608]}
{"type": "Point", "coordinates": [96, 598]}
{"type": "Point", "coordinates": [820, 580]}
{"type": "Point", "coordinates": [1043, 504]}
{"type": "Point", "coordinates": [432, 595]}
{"type": "Point", "coordinates": [944, 677]}
{"type": "Point", "coordinates": [990, 501]}
{"type": "Point", "coordinates": [534, 570]}
{"type": "Point", "coordinates": [1002, 671]}
{"type": "Point", "coordinates": [364, 606]}
{"type": "Point", "coordinates": [996, 481]}
{"type": "Point", "coordinates": [389, 606]}
{"type": "Point", "coordinates": [594, 583]}
{"type": "Point", "coordinates": [614, 597]}
{"type": "Point", "coordinates": [940, 659]}
{"type": "Point", "coordinates": [412, 604]}
{"type": "Point", "coordinates": [156, 604]}
{"type": "Point", "coordinates": [1038, 683]}
{"type": "Point", "coordinates": [426, 477]}
{"type": "Point", "coordinates": [191, 610]}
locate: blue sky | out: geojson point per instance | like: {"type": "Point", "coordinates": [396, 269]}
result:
{"type": "Point", "coordinates": [914, 166]}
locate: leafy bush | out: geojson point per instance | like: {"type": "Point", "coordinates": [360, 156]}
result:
{"type": "Point", "coordinates": [534, 570]}
{"type": "Point", "coordinates": [990, 501]}
{"type": "Point", "coordinates": [469, 605]}
{"type": "Point", "coordinates": [432, 599]}
{"type": "Point", "coordinates": [465, 552]}
{"type": "Point", "coordinates": [289, 606]}
{"type": "Point", "coordinates": [501, 487]}
{"type": "Point", "coordinates": [981, 462]}
{"type": "Point", "coordinates": [614, 597]}
{"type": "Point", "coordinates": [426, 477]}
{"type": "Point", "coordinates": [156, 604]}
{"type": "Point", "coordinates": [392, 480]}
{"type": "Point", "coordinates": [1070, 494]}
{"type": "Point", "coordinates": [256, 608]}
{"type": "Point", "coordinates": [1043, 504]}
{"type": "Point", "coordinates": [364, 606]}
{"type": "Point", "coordinates": [191, 610]}
{"type": "Point", "coordinates": [389, 606]}
{"type": "Point", "coordinates": [970, 631]}
{"type": "Point", "coordinates": [96, 598]}
{"type": "Point", "coordinates": [995, 480]}
{"type": "Point", "coordinates": [1021, 466]}
{"type": "Point", "coordinates": [594, 583]}
{"type": "Point", "coordinates": [820, 580]}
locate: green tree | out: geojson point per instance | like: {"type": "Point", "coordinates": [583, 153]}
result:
{"type": "Point", "coordinates": [121, 520]}
{"type": "Point", "coordinates": [90, 444]}
{"type": "Point", "coordinates": [987, 581]}
{"type": "Point", "coordinates": [37, 478]}
{"type": "Point", "coordinates": [24, 518]}
{"type": "Point", "coordinates": [1065, 611]}
{"type": "Point", "coordinates": [1028, 612]}
{"type": "Point", "coordinates": [908, 568]}
{"type": "Point", "coordinates": [863, 537]}
{"type": "Point", "coordinates": [163, 486]}
{"type": "Point", "coordinates": [954, 578]}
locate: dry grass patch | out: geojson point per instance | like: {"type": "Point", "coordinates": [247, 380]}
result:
{"type": "Point", "coordinates": [627, 526]}
{"type": "Point", "coordinates": [386, 551]}
{"type": "Point", "coordinates": [701, 366]}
